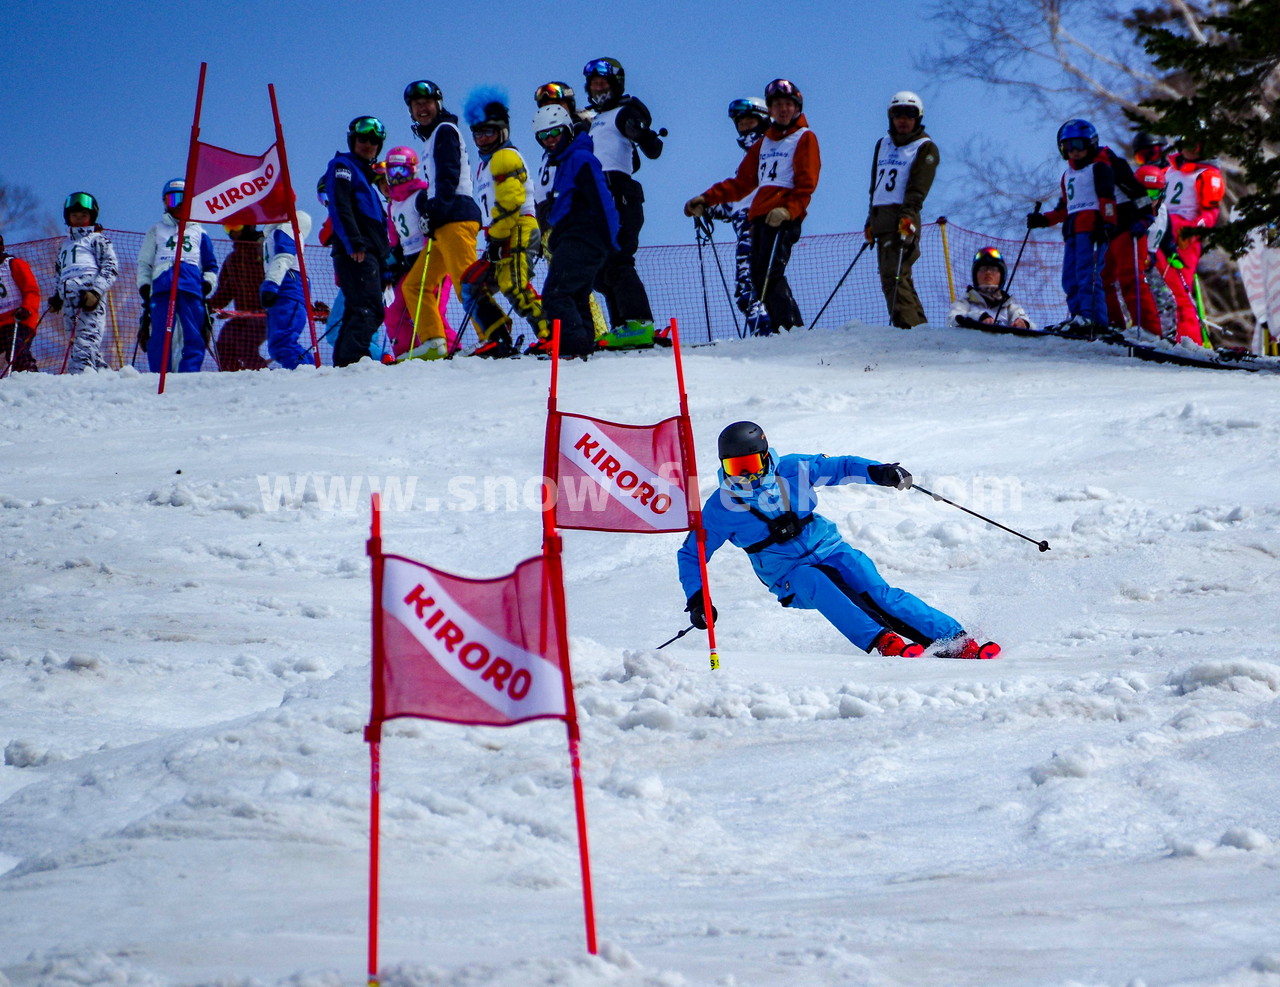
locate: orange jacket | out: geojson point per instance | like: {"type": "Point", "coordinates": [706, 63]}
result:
{"type": "Point", "coordinates": [806, 165]}
{"type": "Point", "coordinates": [27, 286]}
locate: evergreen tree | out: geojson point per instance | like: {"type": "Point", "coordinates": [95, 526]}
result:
{"type": "Point", "coordinates": [1232, 68]}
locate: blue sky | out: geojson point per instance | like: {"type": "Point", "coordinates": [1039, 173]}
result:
{"type": "Point", "coordinates": [103, 95]}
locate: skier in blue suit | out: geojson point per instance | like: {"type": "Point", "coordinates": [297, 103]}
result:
{"type": "Point", "coordinates": [765, 506]}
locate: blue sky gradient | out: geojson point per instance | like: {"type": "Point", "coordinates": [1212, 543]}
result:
{"type": "Point", "coordinates": [103, 96]}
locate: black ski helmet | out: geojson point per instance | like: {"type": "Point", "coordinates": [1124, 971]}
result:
{"type": "Point", "coordinates": [1143, 141]}
{"type": "Point", "coordinates": [366, 126]}
{"type": "Point", "coordinates": [80, 200]}
{"type": "Point", "coordinates": [779, 88]}
{"type": "Point", "coordinates": [557, 92]}
{"type": "Point", "coordinates": [423, 89]}
{"type": "Point", "coordinates": [988, 257]}
{"type": "Point", "coordinates": [742, 439]}
{"type": "Point", "coordinates": [611, 70]}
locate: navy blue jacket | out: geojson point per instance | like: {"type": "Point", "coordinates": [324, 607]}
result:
{"type": "Point", "coordinates": [355, 208]}
{"type": "Point", "coordinates": [581, 202]}
{"type": "Point", "coordinates": [444, 204]}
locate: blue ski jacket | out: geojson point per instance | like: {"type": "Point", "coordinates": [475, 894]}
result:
{"type": "Point", "coordinates": [581, 201]}
{"type": "Point", "coordinates": [355, 208]}
{"type": "Point", "coordinates": [790, 484]}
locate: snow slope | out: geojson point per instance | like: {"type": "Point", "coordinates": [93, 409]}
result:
{"type": "Point", "coordinates": [184, 682]}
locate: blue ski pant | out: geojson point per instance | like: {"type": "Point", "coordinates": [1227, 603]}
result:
{"type": "Point", "coordinates": [188, 332]}
{"type": "Point", "coordinates": [846, 588]}
{"type": "Point", "coordinates": [286, 319]}
{"type": "Point", "coordinates": [1082, 262]}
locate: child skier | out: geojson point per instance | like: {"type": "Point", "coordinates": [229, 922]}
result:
{"type": "Point", "coordinates": [750, 121]}
{"type": "Point", "coordinates": [512, 238]}
{"type": "Point", "coordinates": [765, 506]}
{"type": "Point", "coordinates": [85, 271]}
{"type": "Point", "coordinates": [282, 292]}
{"type": "Point", "coordinates": [1087, 210]}
{"type": "Point", "coordinates": [19, 303]}
{"type": "Point", "coordinates": [407, 226]}
{"type": "Point", "coordinates": [985, 300]}
{"type": "Point", "coordinates": [197, 277]}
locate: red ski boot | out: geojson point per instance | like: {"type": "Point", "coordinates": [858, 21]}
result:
{"type": "Point", "coordinates": [966, 647]}
{"type": "Point", "coordinates": [892, 646]}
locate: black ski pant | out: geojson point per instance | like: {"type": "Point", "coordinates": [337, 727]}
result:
{"type": "Point", "coordinates": [361, 286]}
{"type": "Point", "coordinates": [624, 292]}
{"type": "Point", "coordinates": [576, 262]}
{"type": "Point", "coordinates": [770, 278]}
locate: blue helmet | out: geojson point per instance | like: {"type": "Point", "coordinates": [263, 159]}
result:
{"type": "Point", "coordinates": [1077, 130]}
{"type": "Point", "coordinates": [173, 192]}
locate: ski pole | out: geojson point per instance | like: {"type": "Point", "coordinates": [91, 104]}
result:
{"type": "Point", "coordinates": [466, 320]}
{"type": "Point", "coordinates": [1042, 545]}
{"type": "Point", "coordinates": [768, 271]}
{"type": "Point", "coordinates": [75, 321]}
{"type": "Point", "coordinates": [676, 638]}
{"type": "Point", "coordinates": [897, 279]}
{"type": "Point", "coordinates": [702, 273]}
{"type": "Point", "coordinates": [724, 283]}
{"type": "Point", "coordinates": [847, 271]}
{"type": "Point", "coordinates": [1018, 260]}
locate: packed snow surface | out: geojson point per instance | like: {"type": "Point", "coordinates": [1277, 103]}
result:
{"type": "Point", "coordinates": [184, 674]}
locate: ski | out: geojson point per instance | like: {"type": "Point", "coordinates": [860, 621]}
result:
{"type": "Point", "coordinates": [966, 322]}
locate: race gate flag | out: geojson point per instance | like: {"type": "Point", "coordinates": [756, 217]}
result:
{"type": "Point", "coordinates": [480, 652]}
{"type": "Point", "coordinates": [613, 477]}
{"type": "Point", "coordinates": [238, 189]}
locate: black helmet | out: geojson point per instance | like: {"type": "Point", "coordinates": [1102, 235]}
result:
{"type": "Point", "coordinates": [744, 440]}
{"type": "Point", "coordinates": [366, 126]}
{"type": "Point", "coordinates": [423, 88]}
{"type": "Point", "coordinates": [988, 257]}
{"type": "Point", "coordinates": [611, 70]}
{"type": "Point", "coordinates": [1143, 141]}
{"type": "Point", "coordinates": [80, 200]}
{"type": "Point", "coordinates": [557, 92]}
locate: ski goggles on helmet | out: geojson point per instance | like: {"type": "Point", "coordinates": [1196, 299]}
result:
{"type": "Point", "coordinates": [552, 92]}
{"type": "Point", "coordinates": [987, 255]}
{"type": "Point", "coordinates": [743, 108]}
{"type": "Point", "coordinates": [422, 89]}
{"type": "Point", "coordinates": [370, 129]}
{"type": "Point", "coordinates": [781, 87]}
{"type": "Point", "coordinates": [398, 174]}
{"type": "Point", "coordinates": [79, 200]}
{"type": "Point", "coordinates": [174, 199]}
{"type": "Point", "coordinates": [1075, 144]}
{"type": "Point", "coordinates": [752, 466]}
{"type": "Point", "coordinates": [551, 133]}
{"type": "Point", "coordinates": [600, 66]}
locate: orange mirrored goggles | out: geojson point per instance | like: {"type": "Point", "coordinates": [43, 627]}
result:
{"type": "Point", "coordinates": [752, 464]}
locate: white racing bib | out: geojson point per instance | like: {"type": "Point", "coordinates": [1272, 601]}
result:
{"type": "Point", "coordinates": [1079, 189]}
{"type": "Point", "coordinates": [429, 159]}
{"type": "Point", "coordinates": [10, 295]}
{"type": "Point", "coordinates": [612, 148]}
{"type": "Point", "coordinates": [893, 168]}
{"type": "Point", "coordinates": [778, 160]}
{"type": "Point", "coordinates": [404, 216]}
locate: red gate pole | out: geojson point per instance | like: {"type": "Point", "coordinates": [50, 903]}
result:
{"type": "Point", "coordinates": [695, 504]}
{"type": "Point", "coordinates": [183, 214]}
{"type": "Point", "coordinates": [293, 219]}
{"type": "Point", "coordinates": [373, 737]}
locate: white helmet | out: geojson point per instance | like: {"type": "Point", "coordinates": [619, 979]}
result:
{"type": "Point", "coordinates": [906, 98]}
{"type": "Point", "coordinates": [549, 117]}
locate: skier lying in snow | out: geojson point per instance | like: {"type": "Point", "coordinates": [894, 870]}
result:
{"type": "Point", "coordinates": [765, 506]}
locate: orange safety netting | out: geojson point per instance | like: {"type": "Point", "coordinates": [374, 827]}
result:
{"type": "Point", "coordinates": [670, 273]}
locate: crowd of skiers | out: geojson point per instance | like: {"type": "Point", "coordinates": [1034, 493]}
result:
{"type": "Point", "coordinates": [408, 226]}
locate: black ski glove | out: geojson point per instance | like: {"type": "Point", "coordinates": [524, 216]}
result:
{"type": "Point", "coordinates": [145, 291]}
{"type": "Point", "coordinates": [21, 315]}
{"type": "Point", "coordinates": [144, 329]}
{"type": "Point", "coordinates": [267, 295]}
{"type": "Point", "coordinates": [55, 303]}
{"type": "Point", "coordinates": [697, 611]}
{"type": "Point", "coordinates": [890, 475]}
{"type": "Point", "coordinates": [1037, 221]}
